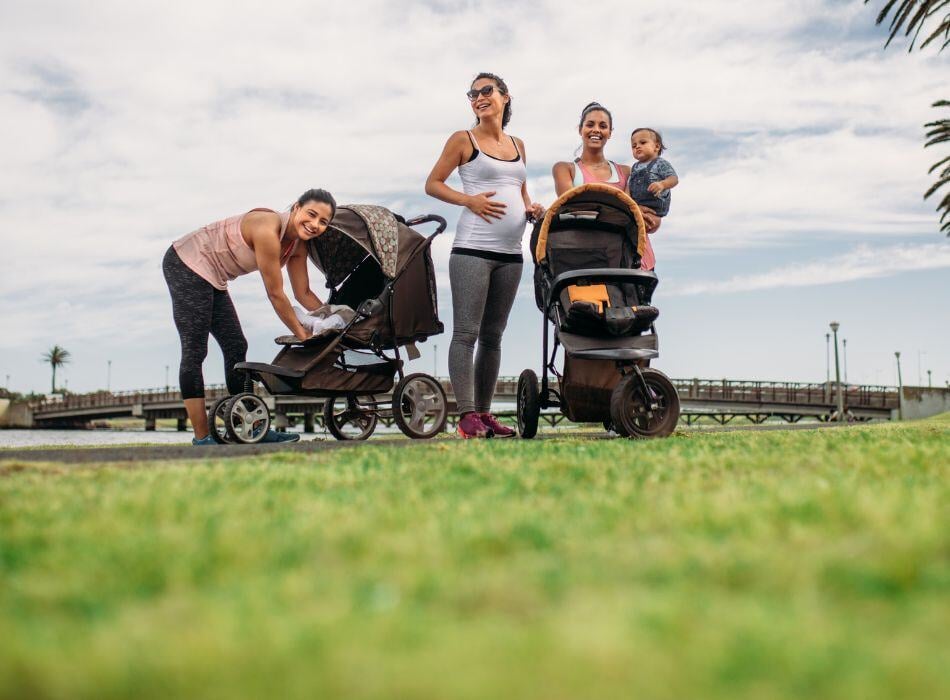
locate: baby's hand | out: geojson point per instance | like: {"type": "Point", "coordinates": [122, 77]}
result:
{"type": "Point", "coordinates": [656, 189]}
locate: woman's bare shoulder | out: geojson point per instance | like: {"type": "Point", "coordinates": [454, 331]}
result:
{"type": "Point", "coordinates": [261, 221]}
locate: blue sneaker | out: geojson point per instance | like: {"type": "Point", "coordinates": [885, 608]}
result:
{"type": "Point", "coordinates": [273, 436]}
{"type": "Point", "coordinates": [206, 440]}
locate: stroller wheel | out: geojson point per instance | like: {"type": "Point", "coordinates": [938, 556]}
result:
{"type": "Point", "coordinates": [419, 406]}
{"type": "Point", "coordinates": [529, 404]}
{"type": "Point", "coordinates": [650, 416]}
{"type": "Point", "coordinates": [246, 418]}
{"type": "Point", "coordinates": [216, 421]}
{"type": "Point", "coordinates": [346, 420]}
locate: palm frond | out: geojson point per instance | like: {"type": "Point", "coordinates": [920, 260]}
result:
{"type": "Point", "coordinates": [911, 17]}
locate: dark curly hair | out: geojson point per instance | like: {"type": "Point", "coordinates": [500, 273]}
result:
{"type": "Point", "coordinates": [657, 136]}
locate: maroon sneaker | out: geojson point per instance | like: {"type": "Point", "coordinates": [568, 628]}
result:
{"type": "Point", "coordinates": [501, 431]}
{"type": "Point", "coordinates": [471, 426]}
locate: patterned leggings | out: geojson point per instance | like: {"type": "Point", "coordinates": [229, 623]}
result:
{"type": "Point", "coordinates": [200, 309]}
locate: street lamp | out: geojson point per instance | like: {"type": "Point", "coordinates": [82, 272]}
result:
{"type": "Point", "coordinates": [166, 378]}
{"type": "Point", "coordinates": [930, 384]}
{"type": "Point", "coordinates": [900, 388]}
{"type": "Point", "coordinates": [109, 375]}
{"type": "Point", "coordinates": [834, 329]}
{"type": "Point", "coordinates": [844, 352]}
{"type": "Point", "coordinates": [827, 366]}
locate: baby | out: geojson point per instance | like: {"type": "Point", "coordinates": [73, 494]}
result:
{"type": "Point", "coordinates": [651, 177]}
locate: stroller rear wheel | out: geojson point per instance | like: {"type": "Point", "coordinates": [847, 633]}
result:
{"type": "Point", "coordinates": [217, 423]}
{"type": "Point", "coordinates": [645, 416]}
{"type": "Point", "coordinates": [419, 406]}
{"type": "Point", "coordinates": [346, 421]}
{"type": "Point", "coordinates": [246, 418]}
{"type": "Point", "coordinates": [529, 404]}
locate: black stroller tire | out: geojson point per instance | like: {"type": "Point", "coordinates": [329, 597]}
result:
{"type": "Point", "coordinates": [366, 421]}
{"type": "Point", "coordinates": [420, 408]}
{"type": "Point", "coordinates": [529, 404]}
{"type": "Point", "coordinates": [247, 418]}
{"type": "Point", "coordinates": [637, 416]}
{"type": "Point", "coordinates": [217, 427]}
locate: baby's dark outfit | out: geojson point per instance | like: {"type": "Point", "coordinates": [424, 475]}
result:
{"type": "Point", "coordinates": [642, 175]}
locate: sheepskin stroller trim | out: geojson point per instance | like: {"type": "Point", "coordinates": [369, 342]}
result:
{"type": "Point", "coordinates": [588, 250]}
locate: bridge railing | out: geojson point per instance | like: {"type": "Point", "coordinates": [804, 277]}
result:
{"type": "Point", "coordinates": [727, 390]}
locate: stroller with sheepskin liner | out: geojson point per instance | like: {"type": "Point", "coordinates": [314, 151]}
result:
{"type": "Point", "coordinates": [377, 264]}
{"type": "Point", "coordinates": [587, 251]}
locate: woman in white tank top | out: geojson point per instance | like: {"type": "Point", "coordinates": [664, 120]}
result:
{"type": "Point", "coordinates": [486, 262]}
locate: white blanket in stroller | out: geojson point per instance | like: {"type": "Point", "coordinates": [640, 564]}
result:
{"type": "Point", "coordinates": [326, 319]}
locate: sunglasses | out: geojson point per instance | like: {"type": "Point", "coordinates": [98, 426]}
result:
{"type": "Point", "coordinates": [484, 92]}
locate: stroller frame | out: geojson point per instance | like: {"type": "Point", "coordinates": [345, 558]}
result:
{"type": "Point", "coordinates": [417, 405]}
{"type": "Point", "coordinates": [644, 402]}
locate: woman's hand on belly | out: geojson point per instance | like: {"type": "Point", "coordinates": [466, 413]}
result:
{"type": "Point", "coordinates": [483, 206]}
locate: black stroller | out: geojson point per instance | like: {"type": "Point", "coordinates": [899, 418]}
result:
{"type": "Point", "coordinates": [376, 264]}
{"type": "Point", "coordinates": [587, 252]}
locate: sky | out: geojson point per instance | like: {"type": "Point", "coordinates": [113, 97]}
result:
{"type": "Point", "coordinates": [797, 139]}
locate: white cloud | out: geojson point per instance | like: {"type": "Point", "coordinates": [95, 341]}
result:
{"type": "Point", "coordinates": [125, 125]}
{"type": "Point", "coordinates": [864, 262]}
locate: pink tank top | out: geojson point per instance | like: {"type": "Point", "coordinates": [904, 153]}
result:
{"type": "Point", "coordinates": [218, 253]}
{"type": "Point", "coordinates": [649, 259]}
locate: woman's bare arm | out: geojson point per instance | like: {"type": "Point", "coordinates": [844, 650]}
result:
{"type": "Point", "coordinates": [453, 155]}
{"type": "Point", "coordinates": [300, 279]}
{"type": "Point", "coordinates": [533, 209]}
{"type": "Point", "coordinates": [563, 177]}
{"type": "Point", "coordinates": [263, 232]}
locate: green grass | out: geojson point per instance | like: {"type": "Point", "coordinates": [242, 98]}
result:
{"type": "Point", "coordinates": [809, 564]}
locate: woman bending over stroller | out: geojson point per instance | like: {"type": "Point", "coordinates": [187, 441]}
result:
{"type": "Point", "coordinates": [197, 268]}
{"type": "Point", "coordinates": [485, 265]}
{"type": "Point", "coordinates": [595, 128]}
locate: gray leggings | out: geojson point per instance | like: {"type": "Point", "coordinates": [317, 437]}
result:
{"type": "Point", "coordinates": [483, 292]}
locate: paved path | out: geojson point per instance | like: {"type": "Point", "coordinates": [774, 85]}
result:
{"type": "Point", "coordinates": [143, 453]}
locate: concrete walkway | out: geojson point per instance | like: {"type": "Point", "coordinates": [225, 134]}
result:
{"type": "Point", "coordinates": [145, 453]}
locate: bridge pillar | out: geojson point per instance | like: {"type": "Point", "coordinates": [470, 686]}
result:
{"type": "Point", "coordinates": [150, 422]}
{"type": "Point", "coordinates": [181, 425]}
{"type": "Point", "coordinates": [280, 422]}
{"type": "Point", "coordinates": [308, 422]}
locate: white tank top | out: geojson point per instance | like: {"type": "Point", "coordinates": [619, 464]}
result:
{"type": "Point", "coordinates": [505, 178]}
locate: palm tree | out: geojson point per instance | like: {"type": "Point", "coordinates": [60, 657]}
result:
{"type": "Point", "coordinates": [911, 18]}
{"type": "Point", "coordinates": [56, 356]}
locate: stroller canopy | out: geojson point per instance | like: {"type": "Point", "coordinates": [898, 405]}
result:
{"type": "Point", "coordinates": [594, 206]}
{"type": "Point", "coordinates": [365, 250]}
{"type": "Point", "coordinates": [357, 230]}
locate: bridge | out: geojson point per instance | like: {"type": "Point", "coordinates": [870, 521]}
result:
{"type": "Point", "coordinates": [720, 401]}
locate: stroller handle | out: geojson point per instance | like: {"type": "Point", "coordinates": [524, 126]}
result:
{"type": "Point", "coordinates": [597, 275]}
{"type": "Point", "coordinates": [429, 218]}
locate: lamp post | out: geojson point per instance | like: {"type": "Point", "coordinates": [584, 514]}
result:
{"type": "Point", "coordinates": [930, 384]}
{"type": "Point", "coordinates": [827, 366]}
{"type": "Point", "coordinates": [166, 378]}
{"type": "Point", "coordinates": [834, 329]}
{"type": "Point", "coordinates": [844, 352]}
{"type": "Point", "coordinates": [900, 388]}
{"type": "Point", "coordinates": [109, 375]}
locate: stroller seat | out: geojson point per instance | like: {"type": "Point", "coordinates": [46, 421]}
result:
{"type": "Point", "coordinates": [589, 310]}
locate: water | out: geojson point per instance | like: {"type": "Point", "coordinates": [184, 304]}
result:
{"type": "Point", "coordinates": [91, 438]}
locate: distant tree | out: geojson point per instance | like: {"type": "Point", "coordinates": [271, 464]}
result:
{"type": "Point", "coordinates": [912, 18]}
{"type": "Point", "coordinates": [56, 357]}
